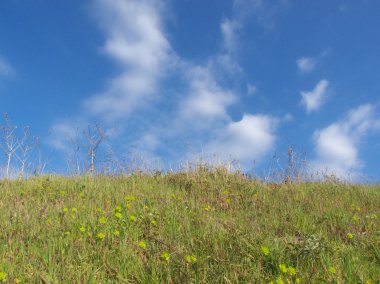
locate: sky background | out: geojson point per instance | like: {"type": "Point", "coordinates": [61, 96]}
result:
{"type": "Point", "coordinates": [177, 80]}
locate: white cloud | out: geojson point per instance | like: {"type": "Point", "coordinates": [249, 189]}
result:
{"type": "Point", "coordinates": [6, 70]}
{"type": "Point", "coordinates": [337, 145]}
{"type": "Point", "coordinates": [206, 98]}
{"type": "Point", "coordinates": [144, 150]}
{"type": "Point", "coordinates": [306, 64]}
{"type": "Point", "coordinates": [63, 133]}
{"type": "Point", "coordinates": [288, 117]}
{"type": "Point", "coordinates": [251, 89]}
{"type": "Point", "coordinates": [246, 140]}
{"type": "Point", "coordinates": [244, 8]}
{"type": "Point", "coordinates": [227, 63]}
{"type": "Point", "coordinates": [314, 99]}
{"type": "Point", "coordinates": [135, 39]}
{"type": "Point", "coordinates": [224, 64]}
{"type": "Point", "coordinates": [149, 142]}
{"type": "Point", "coordinates": [264, 11]}
{"type": "Point", "coordinates": [229, 29]}
{"type": "Point", "coordinates": [336, 149]}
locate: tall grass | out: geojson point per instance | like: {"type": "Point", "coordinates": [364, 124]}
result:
{"type": "Point", "coordinates": [199, 227]}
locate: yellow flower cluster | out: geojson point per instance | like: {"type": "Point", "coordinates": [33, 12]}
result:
{"type": "Point", "coordinates": [191, 258]}
{"type": "Point", "coordinates": [142, 244]}
{"type": "Point", "coordinates": [265, 250]}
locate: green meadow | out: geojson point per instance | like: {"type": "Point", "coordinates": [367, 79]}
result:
{"type": "Point", "coordinates": [206, 226]}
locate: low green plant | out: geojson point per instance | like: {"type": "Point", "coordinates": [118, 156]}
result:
{"type": "Point", "coordinates": [196, 227]}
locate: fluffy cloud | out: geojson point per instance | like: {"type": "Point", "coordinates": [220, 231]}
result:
{"type": "Point", "coordinates": [206, 100]}
{"type": "Point", "coordinates": [199, 115]}
{"type": "Point", "coordinates": [135, 39]}
{"type": "Point", "coordinates": [337, 145]}
{"type": "Point", "coordinates": [314, 99]}
{"type": "Point", "coordinates": [306, 64]}
{"type": "Point", "coordinates": [246, 140]}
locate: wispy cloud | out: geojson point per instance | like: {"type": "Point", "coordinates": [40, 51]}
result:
{"type": "Point", "coordinates": [314, 99]}
{"type": "Point", "coordinates": [229, 29]}
{"type": "Point", "coordinates": [208, 101]}
{"type": "Point", "coordinates": [6, 70]}
{"type": "Point", "coordinates": [136, 41]}
{"type": "Point", "coordinates": [337, 145]}
{"type": "Point", "coordinates": [226, 64]}
{"type": "Point", "coordinates": [251, 89]}
{"type": "Point", "coordinates": [64, 132]}
{"type": "Point", "coordinates": [264, 11]}
{"type": "Point", "coordinates": [306, 64]}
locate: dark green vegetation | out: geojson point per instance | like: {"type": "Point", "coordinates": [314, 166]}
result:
{"type": "Point", "coordinates": [201, 227]}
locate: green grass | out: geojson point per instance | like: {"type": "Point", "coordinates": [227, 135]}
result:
{"type": "Point", "coordinates": [202, 227]}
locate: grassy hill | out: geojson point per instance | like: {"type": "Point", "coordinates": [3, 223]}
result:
{"type": "Point", "coordinates": [200, 227]}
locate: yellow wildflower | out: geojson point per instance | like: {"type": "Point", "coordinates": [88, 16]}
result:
{"type": "Point", "coordinates": [191, 258]}
{"type": "Point", "coordinates": [3, 276]}
{"type": "Point", "coordinates": [165, 256]}
{"type": "Point", "coordinates": [279, 281]}
{"type": "Point", "coordinates": [265, 250]}
{"type": "Point", "coordinates": [101, 236]}
{"type": "Point", "coordinates": [292, 271]}
{"type": "Point", "coordinates": [142, 244]}
{"type": "Point", "coordinates": [129, 198]}
{"type": "Point", "coordinates": [132, 218]}
{"type": "Point", "coordinates": [283, 268]}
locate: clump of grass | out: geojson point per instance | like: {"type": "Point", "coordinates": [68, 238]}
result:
{"type": "Point", "coordinates": [194, 227]}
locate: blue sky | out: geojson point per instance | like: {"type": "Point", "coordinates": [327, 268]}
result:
{"type": "Point", "coordinates": [176, 80]}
